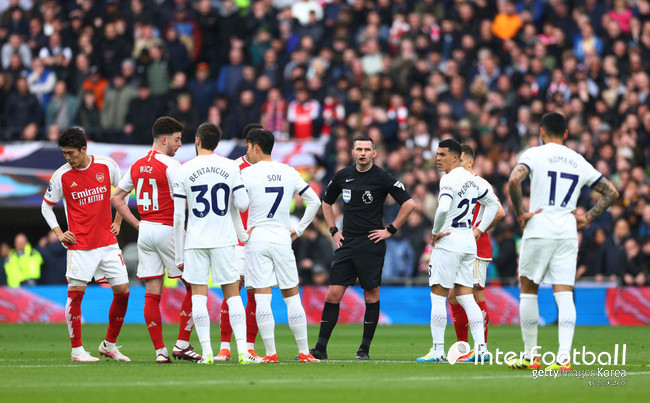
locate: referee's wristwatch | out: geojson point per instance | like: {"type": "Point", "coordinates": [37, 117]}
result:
{"type": "Point", "coordinates": [333, 230]}
{"type": "Point", "coordinates": [391, 228]}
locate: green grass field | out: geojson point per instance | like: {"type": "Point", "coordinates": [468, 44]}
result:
{"type": "Point", "coordinates": [35, 365]}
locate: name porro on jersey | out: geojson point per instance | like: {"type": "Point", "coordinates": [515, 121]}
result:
{"type": "Point", "coordinates": [208, 170]}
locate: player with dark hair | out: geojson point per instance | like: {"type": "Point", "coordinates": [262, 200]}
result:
{"type": "Point", "coordinates": [84, 183]}
{"type": "Point", "coordinates": [360, 244]}
{"type": "Point", "coordinates": [270, 261]}
{"type": "Point", "coordinates": [549, 245]}
{"type": "Point", "coordinates": [454, 247]}
{"type": "Point", "coordinates": [251, 321]}
{"type": "Point", "coordinates": [152, 177]}
{"type": "Point", "coordinates": [483, 258]}
{"type": "Point", "coordinates": [210, 187]}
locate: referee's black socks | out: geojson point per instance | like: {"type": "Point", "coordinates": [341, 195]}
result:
{"type": "Point", "coordinates": [370, 320]}
{"type": "Point", "coordinates": [327, 323]}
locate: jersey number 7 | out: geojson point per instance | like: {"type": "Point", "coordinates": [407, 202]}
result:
{"type": "Point", "coordinates": [278, 198]}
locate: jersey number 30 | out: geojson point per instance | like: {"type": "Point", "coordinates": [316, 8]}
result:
{"type": "Point", "coordinates": [214, 199]}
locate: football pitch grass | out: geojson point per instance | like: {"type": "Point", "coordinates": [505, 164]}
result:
{"type": "Point", "coordinates": [35, 366]}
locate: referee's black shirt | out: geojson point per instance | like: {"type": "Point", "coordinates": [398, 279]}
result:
{"type": "Point", "coordinates": [363, 195]}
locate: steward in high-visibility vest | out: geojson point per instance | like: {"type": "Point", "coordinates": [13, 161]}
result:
{"type": "Point", "coordinates": [24, 266]}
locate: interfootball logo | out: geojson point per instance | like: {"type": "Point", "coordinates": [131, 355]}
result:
{"type": "Point", "coordinates": [100, 177]}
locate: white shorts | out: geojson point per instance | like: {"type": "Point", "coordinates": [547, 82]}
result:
{"type": "Point", "coordinates": [270, 265]}
{"type": "Point", "coordinates": [552, 261]}
{"type": "Point", "coordinates": [448, 268]}
{"type": "Point", "coordinates": [156, 251]}
{"type": "Point", "coordinates": [240, 259]}
{"type": "Point", "coordinates": [102, 263]}
{"type": "Point", "coordinates": [218, 262]}
{"type": "Point", "coordinates": [480, 272]}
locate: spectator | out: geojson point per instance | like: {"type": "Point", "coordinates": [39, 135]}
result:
{"type": "Point", "coordinates": [63, 107]}
{"type": "Point", "coordinates": [507, 22]}
{"type": "Point", "coordinates": [231, 74]}
{"type": "Point", "coordinates": [4, 255]}
{"type": "Point", "coordinates": [274, 114]}
{"type": "Point", "coordinates": [301, 116]}
{"type": "Point", "coordinates": [41, 81]}
{"type": "Point", "coordinates": [16, 45]}
{"type": "Point", "coordinates": [158, 72]}
{"type": "Point", "coordinates": [184, 113]}
{"type": "Point", "coordinates": [506, 257]}
{"type": "Point", "coordinates": [203, 90]}
{"type": "Point", "coordinates": [636, 267]}
{"type": "Point", "coordinates": [116, 103]}
{"type": "Point", "coordinates": [96, 84]}
{"type": "Point", "coordinates": [142, 113]}
{"type": "Point", "coordinates": [246, 111]}
{"type": "Point", "coordinates": [187, 30]}
{"type": "Point", "coordinates": [609, 266]}
{"type": "Point", "coordinates": [588, 253]}
{"type": "Point", "coordinates": [302, 9]}
{"type": "Point", "coordinates": [55, 55]}
{"type": "Point", "coordinates": [112, 50]}
{"type": "Point", "coordinates": [179, 59]}
{"type": "Point", "coordinates": [314, 254]}
{"type": "Point", "coordinates": [54, 260]}
{"type": "Point", "coordinates": [23, 266]}
{"type": "Point", "coordinates": [88, 116]}
{"type": "Point", "coordinates": [22, 111]}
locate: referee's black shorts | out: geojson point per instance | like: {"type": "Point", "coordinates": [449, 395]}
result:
{"type": "Point", "coordinates": [358, 257]}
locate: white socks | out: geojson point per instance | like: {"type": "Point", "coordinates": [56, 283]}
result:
{"type": "Point", "coordinates": [438, 321]}
{"type": "Point", "coordinates": [475, 320]}
{"type": "Point", "coordinates": [202, 322]}
{"type": "Point", "coordinates": [265, 322]}
{"type": "Point", "coordinates": [237, 315]}
{"type": "Point", "coordinates": [566, 323]}
{"type": "Point", "coordinates": [297, 322]}
{"type": "Point", "coordinates": [529, 317]}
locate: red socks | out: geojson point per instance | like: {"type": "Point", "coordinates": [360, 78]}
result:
{"type": "Point", "coordinates": [461, 323]}
{"type": "Point", "coordinates": [116, 316]}
{"type": "Point", "coordinates": [251, 320]}
{"type": "Point", "coordinates": [224, 325]}
{"type": "Point", "coordinates": [73, 316]}
{"type": "Point", "coordinates": [153, 319]}
{"type": "Point", "coordinates": [486, 317]}
{"type": "Point", "coordinates": [186, 323]}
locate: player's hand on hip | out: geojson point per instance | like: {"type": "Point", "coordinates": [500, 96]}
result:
{"type": "Point", "coordinates": [438, 237]}
{"type": "Point", "coordinates": [378, 235]}
{"type": "Point", "coordinates": [477, 233]}
{"type": "Point", "coordinates": [581, 220]}
{"type": "Point", "coordinates": [527, 216]}
{"type": "Point", "coordinates": [294, 236]}
{"type": "Point", "coordinates": [181, 266]}
{"type": "Point", "coordinates": [68, 237]}
{"type": "Point", "coordinates": [249, 232]}
{"type": "Point", "coordinates": [337, 238]}
{"type": "Point", "coordinates": [115, 229]}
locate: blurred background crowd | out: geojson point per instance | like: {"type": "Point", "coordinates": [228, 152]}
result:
{"type": "Point", "coordinates": [408, 73]}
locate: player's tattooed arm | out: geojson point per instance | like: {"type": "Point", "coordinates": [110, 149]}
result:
{"type": "Point", "coordinates": [609, 196]}
{"type": "Point", "coordinates": [517, 176]}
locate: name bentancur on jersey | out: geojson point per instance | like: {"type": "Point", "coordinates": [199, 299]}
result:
{"type": "Point", "coordinates": [208, 170]}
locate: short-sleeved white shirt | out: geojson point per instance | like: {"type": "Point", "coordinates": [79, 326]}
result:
{"type": "Point", "coordinates": [271, 186]}
{"type": "Point", "coordinates": [465, 191]}
{"type": "Point", "coordinates": [208, 182]}
{"type": "Point", "coordinates": [557, 174]}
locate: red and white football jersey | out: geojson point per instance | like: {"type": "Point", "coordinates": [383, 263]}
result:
{"type": "Point", "coordinates": [242, 164]}
{"type": "Point", "coordinates": [483, 244]}
{"type": "Point", "coordinates": [86, 195]}
{"type": "Point", "coordinates": [152, 176]}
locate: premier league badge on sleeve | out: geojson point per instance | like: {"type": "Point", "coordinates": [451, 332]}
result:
{"type": "Point", "coordinates": [347, 195]}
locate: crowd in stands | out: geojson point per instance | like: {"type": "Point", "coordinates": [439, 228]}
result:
{"type": "Point", "coordinates": [408, 73]}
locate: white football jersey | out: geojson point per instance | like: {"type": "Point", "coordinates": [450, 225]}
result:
{"type": "Point", "coordinates": [465, 191]}
{"type": "Point", "coordinates": [557, 175]}
{"type": "Point", "coordinates": [271, 186]}
{"type": "Point", "coordinates": [208, 182]}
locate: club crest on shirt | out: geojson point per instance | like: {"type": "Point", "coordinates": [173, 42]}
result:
{"type": "Point", "coordinates": [367, 197]}
{"type": "Point", "coordinates": [347, 195]}
{"type": "Point", "coordinates": [100, 177]}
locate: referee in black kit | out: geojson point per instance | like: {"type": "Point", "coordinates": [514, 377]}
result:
{"type": "Point", "coordinates": [360, 245]}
